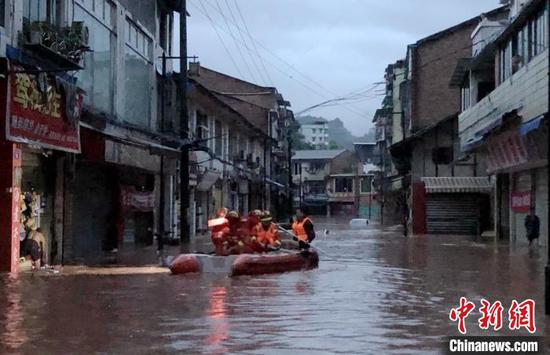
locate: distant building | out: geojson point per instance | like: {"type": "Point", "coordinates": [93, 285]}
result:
{"type": "Point", "coordinates": [330, 182]}
{"type": "Point", "coordinates": [315, 131]}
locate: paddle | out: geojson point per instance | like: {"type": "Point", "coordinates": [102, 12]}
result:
{"type": "Point", "coordinates": [294, 236]}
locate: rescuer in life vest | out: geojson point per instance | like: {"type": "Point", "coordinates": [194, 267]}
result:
{"type": "Point", "coordinates": [303, 229]}
{"type": "Point", "coordinates": [266, 233]}
{"type": "Point", "coordinates": [237, 238]}
{"type": "Point", "coordinates": [252, 223]}
{"type": "Point", "coordinates": [219, 229]}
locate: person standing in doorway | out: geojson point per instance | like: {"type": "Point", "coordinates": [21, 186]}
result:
{"type": "Point", "coordinates": [532, 226]}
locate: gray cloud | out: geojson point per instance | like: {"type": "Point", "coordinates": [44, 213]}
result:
{"type": "Point", "coordinates": [343, 45]}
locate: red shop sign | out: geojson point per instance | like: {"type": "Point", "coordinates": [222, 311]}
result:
{"type": "Point", "coordinates": [133, 200]}
{"type": "Point", "coordinates": [39, 116]}
{"type": "Point", "coordinates": [521, 202]}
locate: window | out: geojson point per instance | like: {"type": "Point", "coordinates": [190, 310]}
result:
{"type": "Point", "coordinates": [2, 13]}
{"type": "Point", "coordinates": [218, 138]}
{"type": "Point", "coordinates": [98, 77]}
{"type": "Point", "coordinates": [313, 139]}
{"type": "Point", "coordinates": [442, 155]}
{"type": "Point", "coordinates": [343, 184]}
{"type": "Point", "coordinates": [366, 184]}
{"type": "Point", "coordinates": [165, 31]}
{"type": "Point", "coordinates": [297, 169]}
{"type": "Point", "coordinates": [315, 167]}
{"type": "Point", "coordinates": [465, 93]}
{"type": "Point", "coordinates": [202, 126]}
{"type": "Point", "coordinates": [524, 45]}
{"type": "Point", "coordinates": [138, 71]}
{"type": "Point", "coordinates": [39, 10]}
{"type": "Point", "coordinates": [314, 130]}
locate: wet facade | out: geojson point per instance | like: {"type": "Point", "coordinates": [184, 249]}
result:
{"type": "Point", "coordinates": [90, 164]}
{"type": "Point", "coordinates": [505, 115]}
{"type": "Point", "coordinates": [93, 149]}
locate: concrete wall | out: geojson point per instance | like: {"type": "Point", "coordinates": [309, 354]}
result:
{"type": "Point", "coordinates": [344, 163]}
{"type": "Point", "coordinates": [397, 127]}
{"type": "Point", "coordinates": [526, 90]}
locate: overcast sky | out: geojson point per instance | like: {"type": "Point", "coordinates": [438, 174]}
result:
{"type": "Point", "coordinates": [314, 50]}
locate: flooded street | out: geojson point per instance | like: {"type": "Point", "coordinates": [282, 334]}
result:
{"type": "Point", "coordinates": [374, 292]}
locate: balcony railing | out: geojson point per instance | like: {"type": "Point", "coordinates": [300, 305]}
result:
{"type": "Point", "coordinates": [525, 92]}
{"type": "Point", "coordinates": [62, 45]}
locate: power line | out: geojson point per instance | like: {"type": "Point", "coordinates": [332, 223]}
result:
{"type": "Point", "coordinates": [285, 73]}
{"type": "Point", "coordinates": [234, 41]}
{"type": "Point", "coordinates": [253, 42]}
{"type": "Point", "coordinates": [205, 13]}
{"type": "Point", "coordinates": [355, 110]}
{"type": "Point", "coordinates": [243, 39]}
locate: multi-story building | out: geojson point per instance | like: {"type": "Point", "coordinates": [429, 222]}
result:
{"type": "Point", "coordinates": [315, 131]}
{"type": "Point", "coordinates": [442, 191]}
{"type": "Point", "coordinates": [81, 153]}
{"type": "Point", "coordinates": [505, 113]}
{"type": "Point", "coordinates": [330, 182]}
{"type": "Point", "coordinates": [245, 129]}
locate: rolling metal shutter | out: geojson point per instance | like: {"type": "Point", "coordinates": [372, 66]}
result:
{"type": "Point", "coordinates": [452, 214]}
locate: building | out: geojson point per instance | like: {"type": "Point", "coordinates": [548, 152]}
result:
{"type": "Point", "coordinates": [504, 114]}
{"type": "Point", "coordinates": [368, 154]}
{"type": "Point", "coordinates": [429, 184]}
{"type": "Point", "coordinates": [245, 128]}
{"type": "Point", "coordinates": [315, 131]}
{"type": "Point", "coordinates": [330, 182]}
{"type": "Point", "coordinates": [82, 152]}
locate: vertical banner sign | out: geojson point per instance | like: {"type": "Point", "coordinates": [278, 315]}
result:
{"type": "Point", "coordinates": [15, 208]}
{"type": "Point", "coordinates": [521, 201]}
{"type": "Point", "coordinates": [43, 111]}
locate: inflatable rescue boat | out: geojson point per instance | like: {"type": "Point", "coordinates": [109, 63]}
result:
{"type": "Point", "coordinates": [246, 264]}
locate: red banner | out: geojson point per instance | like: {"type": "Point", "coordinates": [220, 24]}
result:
{"type": "Point", "coordinates": [38, 112]}
{"type": "Point", "coordinates": [521, 202]}
{"type": "Point", "coordinates": [133, 200]}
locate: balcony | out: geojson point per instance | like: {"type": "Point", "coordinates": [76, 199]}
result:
{"type": "Point", "coordinates": [64, 46]}
{"type": "Point", "coordinates": [525, 92]}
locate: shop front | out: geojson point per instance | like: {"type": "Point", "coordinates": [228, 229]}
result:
{"type": "Point", "coordinates": [114, 200]}
{"type": "Point", "coordinates": [41, 131]}
{"type": "Point", "coordinates": [518, 157]}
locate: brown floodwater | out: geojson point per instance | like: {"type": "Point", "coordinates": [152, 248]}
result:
{"type": "Point", "coordinates": [374, 292]}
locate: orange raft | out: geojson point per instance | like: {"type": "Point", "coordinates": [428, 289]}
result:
{"type": "Point", "coordinates": [245, 264]}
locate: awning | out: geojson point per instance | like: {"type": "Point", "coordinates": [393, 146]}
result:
{"type": "Point", "coordinates": [457, 184]}
{"type": "Point", "coordinates": [207, 180]}
{"type": "Point", "coordinates": [531, 125]}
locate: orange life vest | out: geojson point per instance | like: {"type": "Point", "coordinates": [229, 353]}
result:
{"type": "Point", "coordinates": [269, 236]}
{"type": "Point", "coordinates": [299, 230]}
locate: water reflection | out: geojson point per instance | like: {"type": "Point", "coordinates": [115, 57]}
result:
{"type": "Point", "coordinates": [216, 313]}
{"type": "Point", "coordinates": [377, 293]}
{"type": "Point", "coordinates": [14, 334]}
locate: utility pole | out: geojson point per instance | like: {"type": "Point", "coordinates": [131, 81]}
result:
{"type": "Point", "coordinates": [547, 268]}
{"type": "Point", "coordinates": [357, 188]}
{"type": "Point", "coordinates": [184, 129]}
{"type": "Point", "coordinates": [160, 241]}
{"type": "Point", "coordinates": [290, 183]}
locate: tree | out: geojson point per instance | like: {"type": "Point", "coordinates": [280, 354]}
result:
{"type": "Point", "coordinates": [298, 139]}
{"type": "Point", "coordinates": [333, 145]}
